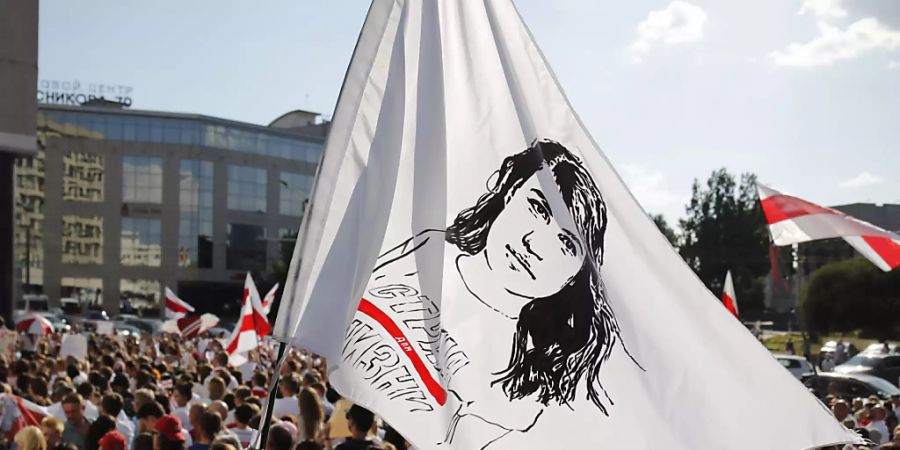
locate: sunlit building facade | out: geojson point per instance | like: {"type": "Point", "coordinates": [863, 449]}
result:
{"type": "Point", "coordinates": [120, 204]}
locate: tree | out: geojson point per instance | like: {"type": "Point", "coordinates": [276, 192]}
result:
{"type": "Point", "coordinates": [665, 229]}
{"type": "Point", "coordinates": [853, 295]}
{"type": "Point", "coordinates": [725, 230]}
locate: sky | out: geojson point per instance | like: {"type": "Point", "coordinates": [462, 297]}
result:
{"type": "Point", "coordinates": [803, 93]}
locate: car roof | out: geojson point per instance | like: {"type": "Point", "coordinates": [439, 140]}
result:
{"type": "Point", "coordinates": [797, 357]}
{"type": "Point", "coordinates": [855, 376]}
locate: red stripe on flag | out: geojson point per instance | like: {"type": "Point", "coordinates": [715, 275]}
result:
{"type": "Point", "coordinates": [172, 305]}
{"type": "Point", "coordinates": [729, 304]}
{"type": "Point", "coordinates": [434, 388]}
{"type": "Point", "coordinates": [887, 249]}
{"type": "Point", "coordinates": [783, 207]}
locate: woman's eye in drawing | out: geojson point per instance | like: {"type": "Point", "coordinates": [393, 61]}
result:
{"type": "Point", "coordinates": [569, 246]}
{"type": "Point", "coordinates": [539, 209]}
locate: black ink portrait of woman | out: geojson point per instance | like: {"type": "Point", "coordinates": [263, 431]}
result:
{"type": "Point", "coordinates": [522, 323]}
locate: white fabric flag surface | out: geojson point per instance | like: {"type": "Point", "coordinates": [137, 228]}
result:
{"type": "Point", "coordinates": [477, 273]}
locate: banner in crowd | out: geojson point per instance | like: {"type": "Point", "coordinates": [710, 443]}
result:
{"type": "Point", "coordinates": [793, 220]}
{"type": "Point", "coordinates": [477, 273]}
{"type": "Point", "coordinates": [251, 327]}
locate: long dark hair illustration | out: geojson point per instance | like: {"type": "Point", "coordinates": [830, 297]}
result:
{"type": "Point", "coordinates": [531, 249]}
{"type": "Point", "coordinates": [573, 331]}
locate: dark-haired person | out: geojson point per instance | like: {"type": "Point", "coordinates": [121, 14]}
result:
{"type": "Point", "coordinates": [209, 425]}
{"type": "Point", "coordinates": [279, 438]}
{"type": "Point", "coordinates": [77, 425]}
{"type": "Point", "coordinates": [287, 405]}
{"type": "Point", "coordinates": [98, 428]}
{"type": "Point", "coordinates": [360, 421]}
{"type": "Point", "coordinates": [243, 415]}
{"type": "Point", "coordinates": [181, 397]}
{"type": "Point", "coordinates": [521, 299]}
{"type": "Point", "coordinates": [111, 404]}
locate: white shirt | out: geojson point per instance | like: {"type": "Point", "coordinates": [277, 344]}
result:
{"type": "Point", "coordinates": [245, 435]}
{"type": "Point", "coordinates": [286, 406]}
{"type": "Point", "coordinates": [881, 428]}
{"type": "Point", "coordinates": [182, 414]}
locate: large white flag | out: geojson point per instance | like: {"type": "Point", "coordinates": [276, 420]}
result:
{"type": "Point", "coordinates": [477, 273]}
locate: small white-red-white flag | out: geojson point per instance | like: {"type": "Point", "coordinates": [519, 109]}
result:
{"type": "Point", "coordinates": [17, 413]}
{"type": "Point", "coordinates": [176, 308]}
{"type": "Point", "coordinates": [252, 325]}
{"type": "Point", "coordinates": [269, 298]}
{"type": "Point", "coordinates": [729, 299]}
{"type": "Point", "coordinates": [793, 220]}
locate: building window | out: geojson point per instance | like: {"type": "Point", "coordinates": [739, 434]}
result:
{"type": "Point", "coordinates": [29, 233]}
{"type": "Point", "coordinates": [294, 190]}
{"type": "Point", "coordinates": [141, 242]}
{"type": "Point", "coordinates": [76, 292]}
{"type": "Point", "coordinates": [82, 177]}
{"type": "Point", "coordinates": [142, 179]}
{"type": "Point", "coordinates": [246, 188]}
{"type": "Point", "coordinates": [82, 239]}
{"type": "Point", "coordinates": [195, 232]}
{"type": "Point", "coordinates": [246, 247]}
{"type": "Point", "coordinates": [140, 297]}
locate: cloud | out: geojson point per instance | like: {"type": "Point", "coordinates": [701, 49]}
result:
{"type": "Point", "coordinates": [824, 8]}
{"type": "Point", "coordinates": [891, 65]}
{"type": "Point", "coordinates": [834, 44]}
{"type": "Point", "coordinates": [679, 23]}
{"type": "Point", "coordinates": [648, 186]}
{"type": "Point", "coordinates": [864, 179]}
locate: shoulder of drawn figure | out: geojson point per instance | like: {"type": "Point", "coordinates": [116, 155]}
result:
{"type": "Point", "coordinates": [404, 249]}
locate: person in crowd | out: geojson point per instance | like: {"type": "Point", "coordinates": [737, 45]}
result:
{"type": "Point", "coordinates": [194, 414]}
{"type": "Point", "coordinates": [30, 438]}
{"type": "Point", "coordinates": [209, 425]}
{"type": "Point", "coordinates": [98, 428]}
{"type": "Point", "coordinates": [360, 421]}
{"type": "Point", "coordinates": [169, 434]}
{"type": "Point", "coordinates": [181, 396]}
{"type": "Point", "coordinates": [52, 428]}
{"type": "Point", "coordinates": [312, 416]}
{"type": "Point", "coordinates": [143, 441]}
{"type": "Point", "coordinates": [243, 415]}
{"type": "Point", "coordinates": [876, 424]}
{"type": "Point", "coordinates": [111, 405]}
{"type": "Point", "coordinates": [287, 404]}
{"type": "Point", "coordinates": [279, 438]}
{"type": "Point", "coordinates": [113, 440]}
{"type": "Point", "coordinates": [77, 425]}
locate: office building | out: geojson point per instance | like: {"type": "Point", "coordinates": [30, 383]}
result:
{"type": "Point", "coordinates": [118, 204]}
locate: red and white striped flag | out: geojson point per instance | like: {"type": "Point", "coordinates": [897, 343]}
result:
{"type": "Point", "coordinates": [793, 220]}
{"type": "Point", "coordinates": [176, 308]}
{"type": "Point", "coordinates": [251, 326]}
{"type": "Point", "coordinates": [269, 298]}
{"type": "Point", "coordinates": [729, 299]}
{"type": "Point", "coordinates": [17, 413]}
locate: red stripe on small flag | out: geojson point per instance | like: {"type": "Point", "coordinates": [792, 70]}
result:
{"type": "Point", "coordinates": [175, 306]}
{"type": "Point", "coordinates": [783, 207]}
{"type": "Point", "coordinates": [729, 304]}
{"type": "Point", "coordinates": [434, 388]}
{"type": "Point", "coordinates": [887, 249]}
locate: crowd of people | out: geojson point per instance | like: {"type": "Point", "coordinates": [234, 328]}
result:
{"type": "Point", "coordinates": [169, 393]}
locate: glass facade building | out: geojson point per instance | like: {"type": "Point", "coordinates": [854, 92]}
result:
{"type": "Point", "coordinates": [138, 201]}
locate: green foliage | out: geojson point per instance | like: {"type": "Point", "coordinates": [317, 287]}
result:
{"type": "Point", "coordinates": [853, 294]}
{"type": "Point", "coordinates": [725, 230]}
{"type": "Point", "coordinates": [665, 229]}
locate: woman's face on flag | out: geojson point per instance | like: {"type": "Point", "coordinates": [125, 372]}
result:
{"type": "Point", "coordinates": [533, 248]}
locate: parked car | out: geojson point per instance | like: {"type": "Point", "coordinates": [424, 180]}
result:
{"type": "Point", "coordinates": [849, 386]}
{"type": "Point", "coordinates": [127, 330]}
{"type": "Point", "coordinates": [879, 365]}
{"type": "Point", "coordinates": [146, 326]}
{"type": "Point", "coordinates": [796, 365]}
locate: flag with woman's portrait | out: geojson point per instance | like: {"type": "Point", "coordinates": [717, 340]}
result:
{"type": "Point", "coordinates": [476, 272]}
